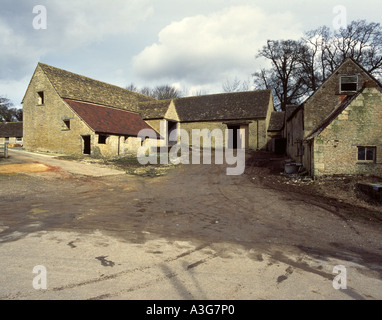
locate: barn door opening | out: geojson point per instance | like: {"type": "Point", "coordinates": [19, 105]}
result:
{"type": "Point", "coordinates": [171, 126]}
{"type": "Point", "coordinates": [86, 145]}
{"type": "Point", "coordinates": [234, 138]}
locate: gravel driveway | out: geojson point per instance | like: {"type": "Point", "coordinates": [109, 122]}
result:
{"type": "Point", "coordinates": [195, 233]}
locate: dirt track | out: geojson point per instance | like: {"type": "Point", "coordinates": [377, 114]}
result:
{"type": "Point", "coordinates": [193, 203]}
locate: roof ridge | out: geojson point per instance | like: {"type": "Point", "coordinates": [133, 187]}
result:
{"type": "Point", "coordinates": [41, 64]}
{"type": "Point", "coordinates": [221, 94]}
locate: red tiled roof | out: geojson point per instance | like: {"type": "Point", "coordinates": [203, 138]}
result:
{"type": "Point", "coordinates": [108, 120]}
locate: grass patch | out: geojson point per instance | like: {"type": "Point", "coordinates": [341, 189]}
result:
{"type": "Point", "coordinates": [130, 164]}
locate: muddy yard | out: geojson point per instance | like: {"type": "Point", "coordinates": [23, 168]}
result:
{"type": "Point", "coordinates": [271, 219]}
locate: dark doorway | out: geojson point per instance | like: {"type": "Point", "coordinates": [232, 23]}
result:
{"type": "Point", "coordinates": [171, 126]}
{"type": "Point", "coordinates": [234, 141]}
{"type": "Point", "coordinates": [86, 144]}
{"type": "Point", "coordinates": [280, 146]}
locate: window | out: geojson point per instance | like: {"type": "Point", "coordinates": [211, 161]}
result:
{"type": "Point", "coordinates": [366, 154]}
{"type": "Point", "coordinates": [67, 124]}
{"type": "Point", "coordinates": [41, 99]}
{"type": "Point", "coordinates": [102, 139]}
{"type": "Point", "coordinates": [6, 139]}
{"type": "Point", "coordinates": [19, 139]}
{"type": "Point", "coordinates": [348, 83]}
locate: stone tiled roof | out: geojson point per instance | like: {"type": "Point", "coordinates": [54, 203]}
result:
{"type": "Point", "coordinates": [108, 120]}
{"type": "Point", "coordinates": [276, 122]}
{"type": "Point", "coordinates": [155, 109]}
{"type": "Point", "coordinates": [228, 106]}
{"type": "Point", "coordinates": [76, 87]}
{"type": "Point", "coordinates": [11, 130]}
{"type": "Point", "coordinates": [289, 110]}
{"type": "Point", "coordinates": [215, 107]}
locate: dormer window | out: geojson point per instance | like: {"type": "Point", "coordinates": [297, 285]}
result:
{"type": "Point", "coordinates": [40, 98]}
{"type": "Point", "coordinates": [348, 84]}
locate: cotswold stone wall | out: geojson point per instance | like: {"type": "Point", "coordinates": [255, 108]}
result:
{"type": "Point", "coordinates": [253, 135]}
{"type": "Point", "coordinates": [360, 124]}
{"type": "Point", "coordinates": [189, 126]}
{"type": "Point", "coordinates": [295, 135]}
{"type": "Point", "coordinates": [319, 105]}
{"type": "Point", "coordinates": [43, 125]}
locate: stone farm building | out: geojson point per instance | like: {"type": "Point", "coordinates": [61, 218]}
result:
{"type": "Point", "coordinates": [11, 132]}
{"type": "Point", "coordinates": [71, 114]}
{"type": "Point", "coordinates": [246, 113]}
{"type": "Point", "coordinates": [338, 129]}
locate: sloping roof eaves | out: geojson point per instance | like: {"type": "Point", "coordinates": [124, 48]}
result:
{"type": "Point", "coordinates": [108, 120]}
{"type": "Point", "coordinates": [220, 107]}
{"type": "Point", "coordinates": [290, 110]}
{"type": "Point", "coordinates": [334, 114]}
{"type": "Point", "coordinates": [76, 87]}
{"type": "Point", "coordinates": [11, 130]}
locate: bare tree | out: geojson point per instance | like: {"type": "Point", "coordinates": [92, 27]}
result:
{"type": "Point", "coordinates": [132, 87]}
{"type": "Point", "coordinates": [235, 85]}
{"type": "Point", "coordinates": [198, 93]}
{"type": "Point", "coordinates": [285, 76]}
{"type": "Point", "coordinates": [165, 92]}
{"type": "Point", "coordinates": [8, 113]}
{"type": "Point", "coordinates": [159, 92]}
{"type": "Point", "coordinates": [300, 67]}
{"type": "Point", "coordinates": [146, 91]}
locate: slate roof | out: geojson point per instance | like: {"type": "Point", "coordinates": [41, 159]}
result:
{"type": "Point", "coordinates": [215, 107]}
{"type": "Point", "coordinates": [76, 87]}
{"type": "Point", "coordinates": [11, 130]}
{"type": "Point", "coordinates": [108, 120]}
{"type": "Point", "coordinates": [276, 122]}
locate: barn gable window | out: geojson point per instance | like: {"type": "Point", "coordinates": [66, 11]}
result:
{"type": "Point", "coordinates": [40, 98]}
{"type": "Point", "coordinates": [67, 124]}
{"type": "Point", "coordinates": [348, 83]}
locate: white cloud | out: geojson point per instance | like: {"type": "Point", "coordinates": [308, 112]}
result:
{"type": "Point", "coordinates": [14, 53]}
{"type": "Point", "coordinates": [208, 48]}
{"type": "Point", "coordinates": [83, 22]}
{"type": "Point", "coordinates": [71, 26]}
{"type": "Point", "coordinates": [13, 89]}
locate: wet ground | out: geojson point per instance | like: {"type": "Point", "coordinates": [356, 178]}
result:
{"type": "Point", "coordinates": [230, 224]}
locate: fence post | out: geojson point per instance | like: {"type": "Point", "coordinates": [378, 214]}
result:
{"type": "Point", "coordinates": [6, 150]}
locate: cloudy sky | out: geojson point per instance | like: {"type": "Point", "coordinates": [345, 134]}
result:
{"type": "Point", "coordinates": [195, 45]}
